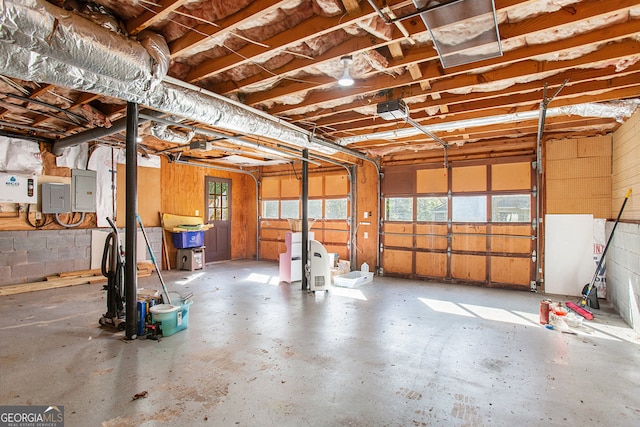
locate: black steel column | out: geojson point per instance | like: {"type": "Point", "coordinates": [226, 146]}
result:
{"type": "Point", "coordinates": [131, 230]}
{"type": "Point", "coordinates": [305, 219]}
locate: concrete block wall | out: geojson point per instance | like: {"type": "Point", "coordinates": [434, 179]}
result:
{"type": "Point", "coordinates": [623, 272]}
{"type": "Point", "coordinates": [30, 256]}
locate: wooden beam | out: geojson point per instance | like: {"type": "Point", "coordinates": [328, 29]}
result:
{"type": "Point", "coordinates": [352, 7]}
{"type": "Point", "coordinates": [396, 50]}
{"type": "Point", "coordinates": [304, 31]}
{"type": "Point", "coordinates": [203, 32]}
{"type": "Point", "coordinates": [414, 70]}
{"type": "Point", "coordinates": [148, 18]}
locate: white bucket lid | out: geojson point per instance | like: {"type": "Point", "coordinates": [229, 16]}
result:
{"type": "Point", "coordinates": [163, 308]}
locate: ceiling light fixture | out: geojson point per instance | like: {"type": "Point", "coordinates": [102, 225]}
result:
{"type": "Point", "coordinates": [346, 79]}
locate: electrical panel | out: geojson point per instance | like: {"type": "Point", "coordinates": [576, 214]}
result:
{"type": "Point", "coordinates": [83, 190]}
{"type": "Point", "coordinates": [55, 198]}
{"type": "Point", "coordinates": [18, 188]}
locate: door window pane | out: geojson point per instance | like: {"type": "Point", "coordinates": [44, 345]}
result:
{"type": "Point", "coordinates": [432, 209]}
{"type": "Point", "coordinates": [469, 208]}
{"type": "Point", "coordinates": [511, 208]}
{"type": "Point", "coordinates": [399, 209]}
{"type": "Point", "coordinates": [270, 209]}
{"type": "Point", "coordinates": [314, 209]}
{"type": "Point", "coordinates": [290, 209]}
{"type": "Point", "coordinates": [335, 209]}
{"type": "Point", "coordinates": [218, 208]}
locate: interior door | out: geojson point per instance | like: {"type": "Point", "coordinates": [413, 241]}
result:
{"type": "Point", "coordinates": [218, 208]}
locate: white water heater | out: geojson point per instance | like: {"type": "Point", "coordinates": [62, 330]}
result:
{"type": "Point", "coordinates": [15, 188]}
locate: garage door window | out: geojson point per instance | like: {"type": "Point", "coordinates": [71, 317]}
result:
{"type": "Point", "coordinates": [432, 209]}
{"type": "Point", "coordinates": [399, 208]}
{"type": "Point", "coordinates": [290, 209]}
{"type": "Point", "coordinates": [469, 208]}
{"type": "Point", "coordinates": [270, 209]}
{"type": "Point", "coordinates": [511, 208]}
{"type": "Point", "coordinates": [314, 209]}
{"type": "Point", "coordinates": [335, 208]}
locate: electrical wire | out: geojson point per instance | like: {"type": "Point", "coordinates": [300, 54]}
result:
{"type": "Point", "coordinates": [36, 225]}
{"type": "Point", "coordinates": [66, 225]}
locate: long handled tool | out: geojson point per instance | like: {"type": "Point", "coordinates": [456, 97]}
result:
{"type": "Point", "coordinates": [587, 296]}
{"type": "Point", "coordinates": [587, 292]}
{"type": "Point", "coordinates": [153, 259]}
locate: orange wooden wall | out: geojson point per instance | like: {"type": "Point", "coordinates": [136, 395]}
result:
{"type": "Point", "coordinates": [182, 192]}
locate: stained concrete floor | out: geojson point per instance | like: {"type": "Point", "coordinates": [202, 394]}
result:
{"type": "Point", "coordinates": [257, 353]}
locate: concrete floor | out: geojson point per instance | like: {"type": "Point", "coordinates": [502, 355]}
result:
{"type": "Point", "coordinates": [258, 353]}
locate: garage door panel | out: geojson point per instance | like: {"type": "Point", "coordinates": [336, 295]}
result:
{"type": "Point", "coordinates": [469, 267]}
{"type": "Point", "coordinates": [511, 270]}
{"type": "Point", "coordinates": [431, 264]}
{"type": "Point", "coordinates": [431, 236]}
{"type": "Point", "coordinates": [398, 261]}
{"type": "Point", "coordinates": [398, 235]}
{"type": "Point", "coordinates": [507, 243]}
{"type": "Point", "coordinates": [471, 242]}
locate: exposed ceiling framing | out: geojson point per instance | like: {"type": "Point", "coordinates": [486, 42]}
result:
{"type": "Point", "coordinates": [281, 58]}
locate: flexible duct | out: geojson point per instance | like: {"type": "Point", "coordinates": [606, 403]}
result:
{"type": "Point", "coordinates": [50, 31]}
{"type": "Point", "coordinates": [162, 131]}
{"type": "Point", "coordinates": [43, 43]}
{"type": "Point", "coordinates": [618, 111]}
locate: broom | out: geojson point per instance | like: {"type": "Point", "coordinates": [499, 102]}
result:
{"type": "Point", "coordinates": [587, 297]}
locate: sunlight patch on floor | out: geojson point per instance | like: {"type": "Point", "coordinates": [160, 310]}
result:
{"type": "Point", "coordinates": [348, 293]}
{"type": "Point", "coordinates": [191, 278]}
{"type": "Point", "coordinates": [497, 314]}
{"type": "Point", "coordinates": [263, 278]}
{"type": "Point", "coordinates": [445, 307]}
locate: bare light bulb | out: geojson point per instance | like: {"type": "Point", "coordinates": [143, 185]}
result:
{"type": "Point", "coordinates": [346, 79]}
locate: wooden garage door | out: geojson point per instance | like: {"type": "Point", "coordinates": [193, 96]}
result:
{"type": "Point", "coordinates": [471, 223]}
{"type": "Point", "coordinates": [328, 207]}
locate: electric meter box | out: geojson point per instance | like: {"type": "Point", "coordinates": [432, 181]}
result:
{"type": "Point", "coordinates": [18, 188]}
{"type": "Point", "coordinates": [83, 190]}
{"type": "Point", "coordinates": [55, 198]}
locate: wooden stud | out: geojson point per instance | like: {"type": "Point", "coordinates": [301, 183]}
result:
{"type": "Point", "coordinates": [396, 50]}
{"type": "Point", "coordinates": [351, 6]}
{"type": "Point", "coordinates": [414, 70]}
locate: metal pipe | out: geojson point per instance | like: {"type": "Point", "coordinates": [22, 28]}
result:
{"type": "Point", "coordinates": [233, 138]}
{"type": "Point", "coordinates": [130, 272]}
{"type": "Point", "coordinates": [276, 121]}
{"type": "Point", "coordinates": [544, 104]}
{"type": "Point", "coordinates": [71, 115]}
{"type": "Point", "coordinates": [26, 127]}
{"type": "Point", "coordinates": [96, 133]}
{"type": "Point", "coordinates": [26, 137]}
{"type": "Point", "coordinates": [425, 131]}
{"type": "Point", "coordinates": [353, 192]}
{"type": "Point", "coordinates": [306, 265]}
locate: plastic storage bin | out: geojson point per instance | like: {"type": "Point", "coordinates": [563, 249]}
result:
{"type": "Point", "coordinates": [172, 318]}
{"type": "Point", "coordinates": [353, 279]}
{"type": "Point", "coordinates": [188, 239]}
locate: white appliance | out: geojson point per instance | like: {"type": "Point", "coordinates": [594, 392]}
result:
{"type": "Point", "coordinates": [291, 261]}
{"type": "Point", "coordinates": [15, 188]}
{"type": "Point", "coordinates": [320, 267]}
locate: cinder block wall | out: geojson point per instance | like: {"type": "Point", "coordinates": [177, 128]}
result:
{"type": "Point", "coordinates": [623, 272]}
{"type": "Point", "coordinates": [623, 257]}
{"type": "Point", "coordinates": [30, 256]}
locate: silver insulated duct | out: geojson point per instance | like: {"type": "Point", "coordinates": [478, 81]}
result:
{"type": "Point", "coordinates": [43, 43]}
